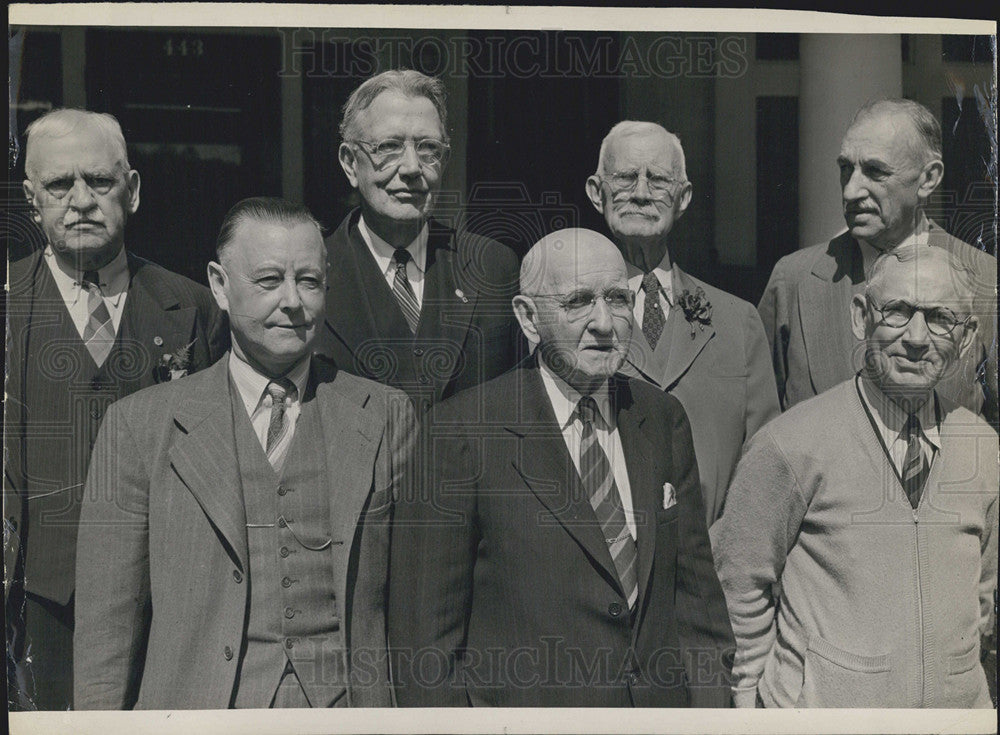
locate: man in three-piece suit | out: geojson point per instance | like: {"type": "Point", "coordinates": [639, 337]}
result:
{"type": "Point", "coordinates": [890, 164]}
{"type": "Point", "coordinates": [412, 303]}
{"type": "Point", "coordinates": [556, 553]}
{"type": "Point", "coordinates": [88, 324]}
{"type": "Point", "coordinates": [234, 539]}
{"type": "Point", "coordinates": [704, 346]}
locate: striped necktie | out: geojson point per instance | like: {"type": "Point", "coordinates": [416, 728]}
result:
{"type": "Point", "coordinates": [99, 333]}
{"type": "Point", "coordinates": [652, 314]}
{"type": "Point", "coordinates": [279, 390]}
{"type": "Point", "coordinates": [599, 482]}
{"type": "Point", "coordinates": [915, 468]}
{"type": "Point", "coordinates": [403, 291]}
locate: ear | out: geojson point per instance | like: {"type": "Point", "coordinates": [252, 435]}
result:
{"type": "Point", "coordinates": [683, 199]}
{"type": "Point", "coordinates": [527, 314]}
{"type": "Point", "coordinates": [930, 178]}
{"type": "Point", "coordinates": [859, 309]}
{"type": "Point", "coordinates": [968, 336]}
{"type": "Point", "coordinates": [349, 162]}
{"type": "Point", "coordinates": [29, 191]}
{"type": "Point", "coordinates": [132, 181]}
{"type": "Point", "coordinates": [217, 281]}
{"type": "Point", "coordinates": [593, 188]}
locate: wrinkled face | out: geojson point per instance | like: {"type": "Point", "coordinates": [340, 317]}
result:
{"type": "Point", "coordinates": [83, 195]}
{"type": "Point", "coordinates": [583, 350]}
{"type": "Point", "coordinates": [272, 283]}
{"type": "Point", "coordinates": [912, 359]}
{"type": "Point", "coordinates": [641, 211]}
{"type": "Point", "coordinates": [400, 191]}
{"type": "Point", "coordinates": [881, 172]}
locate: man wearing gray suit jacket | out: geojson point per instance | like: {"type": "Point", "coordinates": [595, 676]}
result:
{"type": "Point", "coordinates": [233, 545]}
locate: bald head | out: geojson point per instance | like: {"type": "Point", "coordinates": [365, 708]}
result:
{"type": "Point", "coordinates": [560, 257]}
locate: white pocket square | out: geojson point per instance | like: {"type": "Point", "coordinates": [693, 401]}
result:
{"type": "Point", "coordinates": [669, 496]}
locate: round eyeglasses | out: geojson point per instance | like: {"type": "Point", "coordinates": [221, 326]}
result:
{"type": "Point", "coordinates": [580, 304]}
{"type": "Point", "coordinates": [625, 182]}
{"type": "Point", "coordinates": [430, 151]}
{"type": "Point", "coordinates": [940, 320]}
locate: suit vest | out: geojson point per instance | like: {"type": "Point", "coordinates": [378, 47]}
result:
{"type": "Point", "coordinates": [293, 637]}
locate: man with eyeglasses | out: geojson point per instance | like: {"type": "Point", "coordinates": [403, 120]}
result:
{"type": "Point", "coordinates": [558, 554]}
{"type": "Point", "coordinates": [704, 346]}
{"type": "Point", "coordinates": [413, 303]}
{"type": "Point", "coordinates": [890, 165]}
{"type": "Point", "coordinates": [867, 516]}
{"type": "Point", "coordinates": [89, 323]}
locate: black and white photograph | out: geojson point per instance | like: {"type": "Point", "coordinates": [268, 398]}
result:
{"type": "Point", "coordinates": [499, 369]}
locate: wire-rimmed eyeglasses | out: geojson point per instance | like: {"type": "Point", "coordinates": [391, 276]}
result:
{"type": "Point", "coordinates": [580, 304]}
{"type": "Point", "coordinates": [625, 182]}
{"type": "Point", "coordinates": [430, 151]}
{"type": "Point", "coordinates": [940, 320]}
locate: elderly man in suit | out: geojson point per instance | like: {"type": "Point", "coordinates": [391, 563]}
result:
{"type": "Point", "coordinates": [704, 346]}
{"type": "Point", "coordinates": [874, 505]}
{"type": "Point", "coordinates": [413, 303]}
{"type": "Point", "coordinates": [557, 554]}
{"type": "Point", "coordinates": [88, 324]}
{"type": "Point", "coordinates": [890, 164]}
{"type": "Point", "coordinates": [234, 540]}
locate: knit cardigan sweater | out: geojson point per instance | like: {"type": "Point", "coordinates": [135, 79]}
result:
{"type": "Point", "coordinates": [878, 604]}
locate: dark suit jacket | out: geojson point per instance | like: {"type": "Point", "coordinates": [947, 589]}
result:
{"type": "Point", "coordinates": [720, 373]}
{"type": "Point", "coordinates": [165, 311]}
{"type": "Point", "coordinates": [503, 591]}
{"type": "Point", "coordinates": [164, 502]}
{"type": "Point", "coordinates": [467, 331]}
{"type": "Point", "coordinates": [806, 313]}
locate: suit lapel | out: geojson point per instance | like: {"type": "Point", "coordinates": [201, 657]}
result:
{"type": "Point", "coordinates": [154, 313]}
{"type": "Point", "coordinates": [543, 462]}
{"type": "Point", "coordinates": [204, 456]}
{"type": "Point", "coordinates": [680, 343]}
{"type": "Point", "coordinates": [825, 299]}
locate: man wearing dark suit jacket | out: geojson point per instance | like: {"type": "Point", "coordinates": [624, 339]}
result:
{"type": "Point", "coordinates": [890, 164]}
{"type": "Point", "coordinates": [245, 509]}
{"type": "Point", "coordinates": [88, 324]}
{"type": "Point", "coordinates": [557, 554]}
{"type": "Point", "coordinates": [704, 346]}
{"type": "Point", "coordinates": [412, 303]}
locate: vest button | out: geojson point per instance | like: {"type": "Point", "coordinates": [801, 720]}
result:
{"type": "Point", "coordinates": [283, 551]}
{"type": "Point", "coordinates": [228, 653]}
{"type": "Point", "coordinates": [615, 609]}
{"type": "Point", "coordinates": [286, 583]}
{"type": "Point", "coordinates": [289, 613]}
{"type": "Point", "coordinates": [289, 643]}
{"type": "Point", "coordinates": [281, 522]}
{"type": "Point", "coordinates": [281, 490]}
{"type": "Point", "coordinates": [418, 352]}
{"type": "Point", "coordinates": [237, 576]}
{"type": "Point", "coordinates": [95, 412]}
{"type": "Point", "coordinates": [424, 380]}
{"type": "Point", "coordinates": [632, 678]}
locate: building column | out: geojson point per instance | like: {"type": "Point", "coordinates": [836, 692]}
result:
{"type": "Point", "coordinates": [839, 73]}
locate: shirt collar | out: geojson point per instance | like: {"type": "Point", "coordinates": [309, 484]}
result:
{"type": "Point", "coordinates": [251, 384]}
{"type": "Point", "coordinates": [113, 278]}
{"type": "Point", "coordinates": [564, 397]}
{"type": "Point", "coordinates": [919, 236]}
{"type": "Point", "coordinates": [664, 274]}
{"type": "Point", "coordinates": [891, 419]}
{"type": "Point", "coordinates": [383, 251]}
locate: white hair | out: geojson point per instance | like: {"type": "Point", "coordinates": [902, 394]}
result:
{"type": "Point", "coordinates": [66, 120]}
{"type": "Point", "coordinates": [636, 127]}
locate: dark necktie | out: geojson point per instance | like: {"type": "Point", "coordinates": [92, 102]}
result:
{"type": "Point", "coordinates": [915, 468]}
{"type": "Point", "coordinates": [279, 390]}
{"type": "Point", "coordinates": [599, 482]}
{"type": "Point", "coordinates": [403, 291]}
{"type": "Point", "coordinates": [652, 314]}
{"type": "Point", "coordinates": [99, 333]}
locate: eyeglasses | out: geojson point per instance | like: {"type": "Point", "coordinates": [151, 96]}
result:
{"type": "Point", "coordinates": [625, 182]}
{"type": "Point", "coordinates": [580, 304]}
{"type": "Point", "coordinates": [60, 187]}
{"type": "Point", "coordinates": [940, 320]}
{"type": "Point", "coordinates": [430, 151]}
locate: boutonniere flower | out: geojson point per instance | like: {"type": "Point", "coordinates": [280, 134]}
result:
{"type": "Point", "coordinates": [697, 309]}
{"type": "Point", "coordinates": [173, 365]}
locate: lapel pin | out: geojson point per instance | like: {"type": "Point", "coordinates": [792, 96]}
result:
{"type": "Point", "coordinates": [461, 295]}
{"type": "Point", "coordinates": [158, 341]}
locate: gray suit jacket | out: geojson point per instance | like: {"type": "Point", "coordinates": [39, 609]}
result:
{"type": "Point", "coordinates": [162, 557]}
{"type": "Point", "coordinates": [721, 375]}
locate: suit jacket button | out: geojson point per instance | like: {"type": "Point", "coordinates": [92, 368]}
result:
{"type": "Point", "coordinates": [289, 613]}
{"type": "Point", "coordinates": [633, 678]}
{"type": "Point", "coordinates": [289, 643]}
{"type": "Point", "coordinates": [281, 490]}
{"type": "Point", "coordinates": [95, 413]}
{"type": "Point", "coordinates": [237, 576]}
{"type": "Point", "coordinates": [615, 609]}
{"type": "Point", "coordinates": [283, 551]}
{"type": "Point", "coordinates": [286, 583]}
{"type": "Point", "coordinates": [228, 653]}
{"type": "Point", "coordinates": [418, 352]}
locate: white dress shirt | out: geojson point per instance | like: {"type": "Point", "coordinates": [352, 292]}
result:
{"type": "Point", "coordinates": [665, 275]}
{"type": "Point", "coordinates": [890, 420]}
{"type": "Point", "coordinates": [114, 280]}
{"type": "Point", "coordinates": [252, 387]}
{"type": "Point", "coordinates": [564, 399]}
{"type": "Point", "coordinates": [383, 252]}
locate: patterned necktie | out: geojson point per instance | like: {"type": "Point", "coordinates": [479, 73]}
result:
{"type": "Point", "coordinates": [915, 469]}
{"type": "Point", "coordinates": [652, 314]}
{"type": "Point", "coordinates": [279, 390]}
{"type": "Point", "coordinates": [99, 333]}
{"type": "Point", "coordinates": [599, 482]}
{"type": "Point", "coordinates": [403, 291]}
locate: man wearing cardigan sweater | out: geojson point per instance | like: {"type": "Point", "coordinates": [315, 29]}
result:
{"type": "Point", "coordinates": [867, 516]}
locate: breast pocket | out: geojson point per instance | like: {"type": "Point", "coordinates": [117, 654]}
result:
{"type": "Point", "coordinates": [834, 677]}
